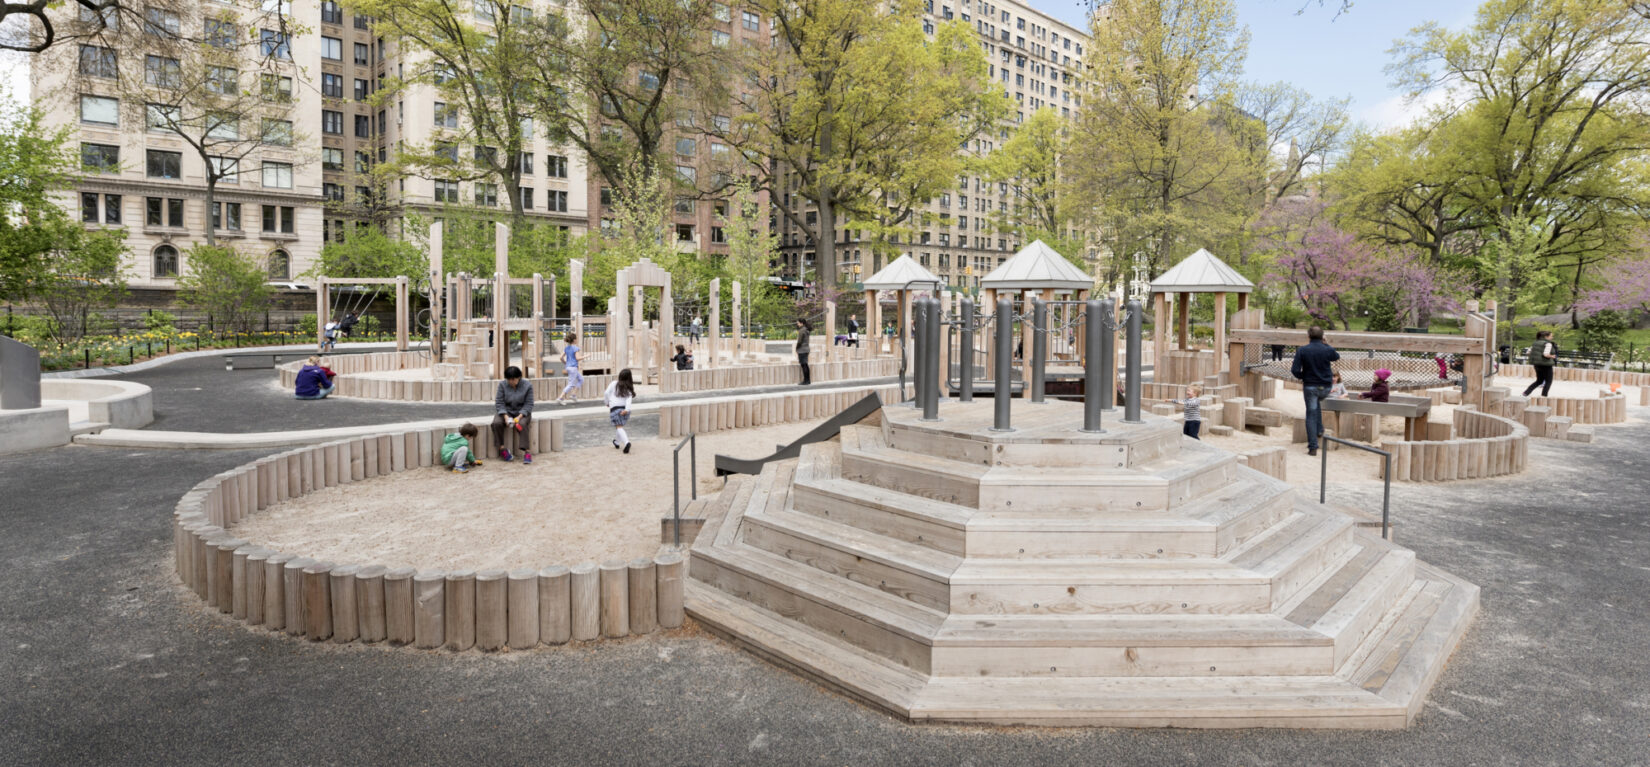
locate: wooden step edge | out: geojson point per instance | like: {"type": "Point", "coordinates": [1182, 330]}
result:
{"type": "Point", "coordinates": [1277, 549]}
{"type": "Point", "coordinates": [1326, 531]}
{"type": "Point", "coordinates": [1282, 527]}
{"type": "Point", "coordinates": [1419, 667]}
{"type": "Point", "coordinates": [1220, 506]}
{"type": "Point", "coordinates": [1200, 630]}
{"type": "Point", "coordinates": [913, 506]}
{"type": "Point", "coordinates": [890, 552]}
{"type": "Point", "coordinates": [1344, 559]}
{"type": "Point", "coordinates": [1119, 572]}
{"type": "Point", "coordinates": [1355, 599]}
{"type": "Point", "coordinates": [726, 524]}
{"type": "Point", "coordinates": [803, 650]}
{"type": "Point", "coordinates": [920, 461]}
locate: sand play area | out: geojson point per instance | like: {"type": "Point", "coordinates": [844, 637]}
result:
{"type": "Point", "coordinates": [591, 504]}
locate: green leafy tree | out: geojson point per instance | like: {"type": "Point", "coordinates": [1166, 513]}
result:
{"type": "Point", "coordinates": [226, 284]}
{"type": "Point", "coordinates": [1030, 161]}
{"type": "Point", "coordinates": [34, 163]}
{"type": "Point", "coordinates": [751, 248]}
{"type": "Point", "coordinates": [82, 273]}
{"type": "Point", "coordinates": [365, 251]}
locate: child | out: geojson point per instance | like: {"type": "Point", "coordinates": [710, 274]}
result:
{"type": "Point", "coordinates": [1338, 389]}
{"type": "Point", "coordinates": [683, 358]}
{"type": "Point", "coordinates": [618, 397]}
{"type": "Point", "coordinates": [575, 380]}
{"type": "Point", "coordinates": [455, 449]}
{"type": "Point", "coordinates": [1194, 412]}
{"type": "Point", "coordinates": [314, 380]}
{"type": "Point", "coordinates": [331, 336]}
{"type": "Point", "coordinates": [1379, 392]}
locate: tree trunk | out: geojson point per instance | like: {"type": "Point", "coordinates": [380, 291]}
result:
{"type": "Point", "coordinates": [825, 244]}
{"type": "Point", "coordinates": [211, 199]}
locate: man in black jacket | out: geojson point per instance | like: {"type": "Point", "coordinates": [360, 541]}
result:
{"type": "Point", "coordinates": [1313, 366]}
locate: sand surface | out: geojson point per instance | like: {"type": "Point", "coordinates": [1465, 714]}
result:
{"type": "Point", "coordinates": [592, 504]}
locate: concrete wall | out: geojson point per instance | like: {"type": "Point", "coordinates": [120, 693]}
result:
{"type": "Point", "coordinates": [121, 404]}
{"type": "Point", "coordinates": [33, 429]}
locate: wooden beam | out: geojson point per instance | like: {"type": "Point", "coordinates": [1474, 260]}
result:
{"type": "Point", "coordinates": [1406, 342]}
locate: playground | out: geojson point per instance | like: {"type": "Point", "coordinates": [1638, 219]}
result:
{"type": "Point", "coordinates": [1462, 619]}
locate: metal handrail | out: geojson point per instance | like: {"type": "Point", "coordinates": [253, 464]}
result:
{"type": "Point", "coordinates": [1386, 495]}
{"type": "Point", "coordinates": [692, 441]}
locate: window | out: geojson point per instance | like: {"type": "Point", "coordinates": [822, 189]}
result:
{"type": "Point", "coordinates": [486, 156]}
{"type": "Point", "coordinates": [96, 61]}
{"type": "Point", "coordinates": [275, 45]}
{"type": "Point", "coordinates": [277, 175]}
{"type": "Point", "coordinates": [363, 126]}
{"type": "Point", "coordinates": [719, 38]}
{"type": "Point", "coordinates": [226, 216]}
{"type": "Point", "coordinates": [278, 7]}
{"type": "Point", "coordinates": [162, 72]}
{"type": "Point", "coordinates": [648, 81]}
{"type": "Point", "coordinates": [88, 207]}
{"type": "Point", "coordinates": [227, 169]}
{"type": "Point", "coordinates": [159, 21]}
{"type": "Point", "coordinates": [361, 54]}
{"type": "Point", "coordinates": [487, 195]}
{"type": "Point", "coordinates": [526, 198]}
{"type": "Point", "coordinates": [332, 122]}
{"type": "Point", "coordinates": [162, 164]}
{"type": "Point", "coordinates": [224, 81]}
{"type": "Point", "coordinates": [722, 12]}
{"type": "Point", "coordinates": [484, 11]}
{"type": "Point", "coordinates": [684, 206]}
{"type": "Point", "coordinates": [361, 22]}
{"type": "Point", "coordinates": [332, 159]}
{"type": "Point", "coordinates": [751, 21]}
{"type": "Point", "coordinates": [363, 195]}
{"type": "Point", "coordinates": [521, 13]}
{"type": "Point", "coordinates": [99, 110]}
{"type": "Point", "coordinates": [684, 233]}
{"type": "Point", "coordinates": [555, 201]}
{"type": "Point", "coordinates": [163, 212]}
{"type": "Point", "coordinates": [363, 162]}
{"type": "Point", "coordinates": [108, 18]}
{"type": "Point", "coordinates": [722, 122]}
{"type": "Point", "coordinates": [166, 262]}
{"type": "Point", "coordinates": [686, 146]}
{"type": "Point", "coordinates": [525, 162]}
{"type": "Point", "coordinates": [445, 117]}
{"type": "Point", "coordinates": [332, 86]}
{"type": "Point", "coordinates": [332, 49]}
{"type": "Point", "coordinates": [277, 132]}
{"type": "Point", "coordinates": [605, 195]}
{"type": "Point", "coordinates": [332, 192]}
{"type": "Point", "coordinates": [331, 13]}
{"type": "Point", "coordinates": [555, 166]}
{"type": "Point", "coordinates": [447, 151]}
{"type": "Point", "coordinates": [221, 33]}
{"type": "Point", "coordinates": [719, 152]}
{"type": "Point", "coordinates": [278, 219]}
{"type": "Point", "coordinates": [280, 265]}
{"type": "Point", "coordinates": [718, 235]}
{"type": "Point", "coordinates": [687, 174]}
{"type": "Point", "coordinates": [277, 88]}
{"type": "Point", "coordinates": [446, 191]}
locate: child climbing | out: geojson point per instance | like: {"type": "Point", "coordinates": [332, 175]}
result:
{"type": "Point", "coordinates": [618, 397]}
{"type": "Point", "coordinates": [455, 449]}
{"type": "Point", "coordinates": [1337, 390]}
{"type": "Point", "coordinates": [683, 358]}
{"type": "Point", "coordinates": [575, 380]}
{"type": "Point", "coordinates": [1380, 392]}
{"type": "Point", "coordinates": [1194, 410]}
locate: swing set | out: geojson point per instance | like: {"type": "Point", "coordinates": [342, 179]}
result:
{"type": "Point", "coordinates": [340, 296]}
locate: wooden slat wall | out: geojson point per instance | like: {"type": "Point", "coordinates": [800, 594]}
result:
{"type": "Point", "coordinates": [1486, 445]}
{"type": "Point", "coordinates": [677, 420]}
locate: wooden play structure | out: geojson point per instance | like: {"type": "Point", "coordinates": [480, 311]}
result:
{"type": "Point", "coordinates": [1171, 294]}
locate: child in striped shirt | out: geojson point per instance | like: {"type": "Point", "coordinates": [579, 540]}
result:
{"type": "Point", "coordinates": [1194, 415]}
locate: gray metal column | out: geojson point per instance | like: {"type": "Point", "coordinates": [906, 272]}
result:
{"type": "Point", "coordinates": [1131, 393]}
{"type": "Point", "coordinates": [919, 373]}
{"type": "Point", "coordinates": [1039, 348]}
{"type": "Point", "coordinates": [930, 359]}
{"type": "Point", "coordinates": [965, 352]}
{"type": "Point", "coordinates": [1005, 363]}
{"type": "Point", "coordinates": [1096, 390]}
{"type": "Point", "coordinates": [1108, 351]}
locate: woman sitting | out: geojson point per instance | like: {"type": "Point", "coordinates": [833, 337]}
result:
{"type": "Point", "coordinates": [314, 380]}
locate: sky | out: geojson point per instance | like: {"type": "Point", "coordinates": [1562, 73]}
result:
{"type": "Point", "coordinates": [1328, 56]}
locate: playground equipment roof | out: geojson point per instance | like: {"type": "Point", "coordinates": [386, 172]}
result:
{"type": "Point", "coordinates": [1202, 272]}
{"type": "Point", "coordinates": [904, 273]}
{"type": "Point", "coordinates": [1037, 266]}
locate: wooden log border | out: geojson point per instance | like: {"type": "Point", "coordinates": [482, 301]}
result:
{"type": "Point", "coordinates": [1486, 445]}
{"type": "Point", "coordinates": [374, 604]}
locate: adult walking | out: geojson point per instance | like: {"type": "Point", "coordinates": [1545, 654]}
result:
{"type": "Point", "coordinates": [1543, 355]}
{"type": "Point", "coordinates": [803, 327]}
{"type": "Point", "coordinates": [696, 329]}
{"type": "Point", "coordinates": [853, 330]}
{"type": "Point", "coordinates": [512, 414]}
{"type": "Point", "coordinates": [1314, 366]}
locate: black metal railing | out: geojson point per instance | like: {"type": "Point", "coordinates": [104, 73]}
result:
{"type": "Point", "coordinates": [692, 443]}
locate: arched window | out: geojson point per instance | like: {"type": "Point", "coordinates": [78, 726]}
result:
{"type": "Point", "coordinates": [280, 265]}
{"type": "Point", "coordinates": [166, 262]}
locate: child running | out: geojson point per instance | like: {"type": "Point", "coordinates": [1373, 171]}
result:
{"type": "Point", "coordinates": [618, 397]}
{"type": "Point", "coordinates": [1194, 411]}
{"type": "Point", "coordinates": [575, 380]}
{"type": "Point", "coordinates": [455, 449]}
{"type": "Point", "coordinates": [1337, 390]}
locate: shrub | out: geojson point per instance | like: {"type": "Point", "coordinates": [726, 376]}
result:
{"type": "Point", "coordinates": [306, 324]}
{"type": "Point", "coordinates": [160, 322]}
{"type": "Point", "coordinates": [1602, 331]}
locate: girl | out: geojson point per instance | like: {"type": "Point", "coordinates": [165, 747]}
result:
{"type": "Point", "coordinates": [575, 380]}
{"type": "Point", "coordinates": [683, 358]}
{"type": "Point", "coordinates": [1380, 392]}
{"type": "Point", "coordinates": [618, 397]}
{"type": "Point", "coordinates": [1338, 389]}
{"type": "Point", "coordinates": [1194, 413]}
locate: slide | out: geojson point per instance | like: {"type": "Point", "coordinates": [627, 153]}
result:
{"type": "Point", "coordinates": [727, 464]}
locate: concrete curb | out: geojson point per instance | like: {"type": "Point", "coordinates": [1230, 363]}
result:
{"type": "Point", "coordinates": [175, 357]}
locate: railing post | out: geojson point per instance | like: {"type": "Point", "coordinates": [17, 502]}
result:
{"type": "Point", "coordinates": [1131, 393]}
{"type": "Point", "coordinates": [1039, 347]}
{"type": "Point", "coordinates": [928, 356]}
{"type": "Point", "coordinates": [1095, 389]}
{"type": "Point", "coordinates": [1107, 335]}
{"type": "Point", "coordinates": [1004, 362]}
{"type": "Point", "coordinates": [965, 352]}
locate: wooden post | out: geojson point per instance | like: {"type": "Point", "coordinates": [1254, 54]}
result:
{"type": "Point", "coordinates": [830, 331]}
{"type": "Point", "coordinates": [1220, 324]}
{"type": "Point", "coordinates": [1183, 317]}
{"type": "Point", "coordinates": [402, 322]}
{"type": "Point", "coordinates": [399, 624]}
{"type": "Point", "coordinates": [738, 320]}
{"type": "Point", "coordinates": [275, 591]}
{"type": "Point", "coordinates": [492, 607]}
{"type": "Point", "coordinates": [429, 609]}
{"type": "Point", "coordinates": [317, 607]}
{"type": "Point", "coordinates": [1160, 334]}
{"type": "Point", "coordinates": [523, 609]}
{"type": "Point", "coordinates": [669, 568]}
{"type": "Point", "coordinates": [644, 600]}
{"type": "Point", "coordinates": [369, 603]}
{"type": "Point", "coordinates": [1481, 327]}
{"type": "Point", "coordinates": [460, 610]}
{"type": "Point", "coordinates": [555, 605]}
{"type": "Point", "coordinates": [615, 599]}
{"type": "Point", "coordinates": [322, 310]}
{"type": "Point", "coordinates": [584, 601]}
{"type": "Point", "coordinates": [346, 620]}
{"type": "Point", "coordinates": [714, 331]}
{"type": "Point", "coordinates": [618, 329]}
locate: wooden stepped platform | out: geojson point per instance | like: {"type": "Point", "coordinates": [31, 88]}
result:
{"type": "Point", "coordinates": [884, 564]}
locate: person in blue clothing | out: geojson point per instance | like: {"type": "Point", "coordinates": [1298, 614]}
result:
{"type": "Point", "coordinates": [1314, 366]}
{"type": "Point", "coordinates": [575, 379]}
{"type": "Point", "coordinates": [314, 380]}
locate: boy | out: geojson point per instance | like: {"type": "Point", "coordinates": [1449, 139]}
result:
{"type": "Point", "coordinates": [1194, 413]}
{"type": "Point", "coordinates": [455, 449]}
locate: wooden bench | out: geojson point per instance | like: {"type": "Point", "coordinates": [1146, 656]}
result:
{"type": "Point", "coordinates": [1412, 409]}
{"type": "Point", "coordinates": [229, 360]}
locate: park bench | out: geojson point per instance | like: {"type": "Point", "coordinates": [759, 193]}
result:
{"type": "Point", "coordinates": [1412, 409]}
{"type": "Point", "coordinates": [231, 360]}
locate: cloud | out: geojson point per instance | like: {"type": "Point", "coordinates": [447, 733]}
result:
{"type": "Point", "coordinates": [1398, 110]}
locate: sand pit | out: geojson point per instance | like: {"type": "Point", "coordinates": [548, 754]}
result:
{"type": "Point", "coordinates": [592, 504]}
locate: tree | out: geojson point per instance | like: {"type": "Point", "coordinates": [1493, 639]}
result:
{"type": "Point", "coordinates": [226, 284]}
{"type": "Point", "coordinates": [854, 107]}
{"type": "Point", "coordinates": [34, 163]}
{"type": "Point", "coordinates": [365, 251]}
{"type": "Point", "coordinates": [82, 273]}
{"type": "Point", "coordinates": [1393, 190]}
{"type": "Point", "coordinates": [1160, 151]}
{"type": "Point", "coordinates": [1030, 161]}
{"type": "Point", "coordinates": [751, 247]}
{"type": "Point", "coordinates": [33, 26]}
{"type": "Point", "coordinates": [1626, 285]}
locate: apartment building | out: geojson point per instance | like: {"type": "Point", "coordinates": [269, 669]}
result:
{"type": "Point", "coordinates": [1037, 59]}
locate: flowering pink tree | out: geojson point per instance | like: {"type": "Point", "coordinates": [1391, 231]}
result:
{"type": "Point", "coordinates": [1626, 288]}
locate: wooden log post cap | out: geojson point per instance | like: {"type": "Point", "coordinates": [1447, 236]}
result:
{"type": "Point", "coordinates": [317, 607]}
{"type": "Point", "coordinates": [555, 605]}
{"type": "Point", "coordinates": [461, 610]}
{"type": "Point", "coordinates": [293, 597]}
{"type": "Point", "coordinates": [429, 609]}
{"type": "Point", "coordinates": [492, 606]}
{"type": "Point", "coordinates": [669, 567]}
{"type": "Point", "coordinates": [644, 602]}
{"type": "Point", "coordinates": [584, 601]}
{"type": "Point", "coordinates": [523, 616]}
{"type": "Point", "coordinates": [369, 603]}
{"type": "Point", "coordinates": [615, 598]}
{"type": "Point", "coordinates": [274, 591]}
{"type": "Point", "coordinates": [346, 620]}
{"type": "Point", "coordinates": [398, 606]}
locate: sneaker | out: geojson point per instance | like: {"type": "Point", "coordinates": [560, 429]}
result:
{"type": "Point", "coordinates": [627, 447]}
{"type": "Point", "coordinates": [504, 455]}
{"type": "Point", "coordinates": [615, 444]}
{"type": "Point", "coordinates": [526, 457]}
{"type": "Point", "coordinates": [461, 469]}
{"type": "Point", "coordinates": [1311, 451]}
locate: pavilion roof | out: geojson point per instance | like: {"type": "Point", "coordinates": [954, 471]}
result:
{"type": "Point", "coordinates": [1202, 272]}
{"type": "Point", "coordinates": [1037, 266]}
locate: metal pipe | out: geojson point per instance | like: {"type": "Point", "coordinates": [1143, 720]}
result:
{"type": "Point", "coordinates": [1095, 390]}
{"type": "Point", "coordinates": [1005, 361]}
{"type": "Point", "coordinates": [1108, 351]}
{"type": "Point", "coordinates": [965, 353]}
{"type": "Point", "coordinates": [1039, 348]}
{"type": "Point", "coordinates": [1131, 392]}
{"type": "Point", "coordinates": [930, 329]}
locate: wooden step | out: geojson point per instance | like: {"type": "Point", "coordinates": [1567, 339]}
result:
{"type": "Point", "coordinates": [1407, 652]}
{"type": "Point", "coordinates": [1071, 449]}
{"type": "Point", "coordinates": [1348, 603]}
{"type": "Point", "coordinates": [1068, 587]}
{"type": "Point", "coordinates": [1243, 509]}
{"type": "Point", "coordinates": [906, 570]}
{"type": "Point", "coordinates": [866, 459]}
{"type": "Point", "coordinates": [1296, 552]}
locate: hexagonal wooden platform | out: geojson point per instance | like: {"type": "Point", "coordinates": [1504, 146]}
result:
{"type": "Point", "coordinates": [1046, 576]}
